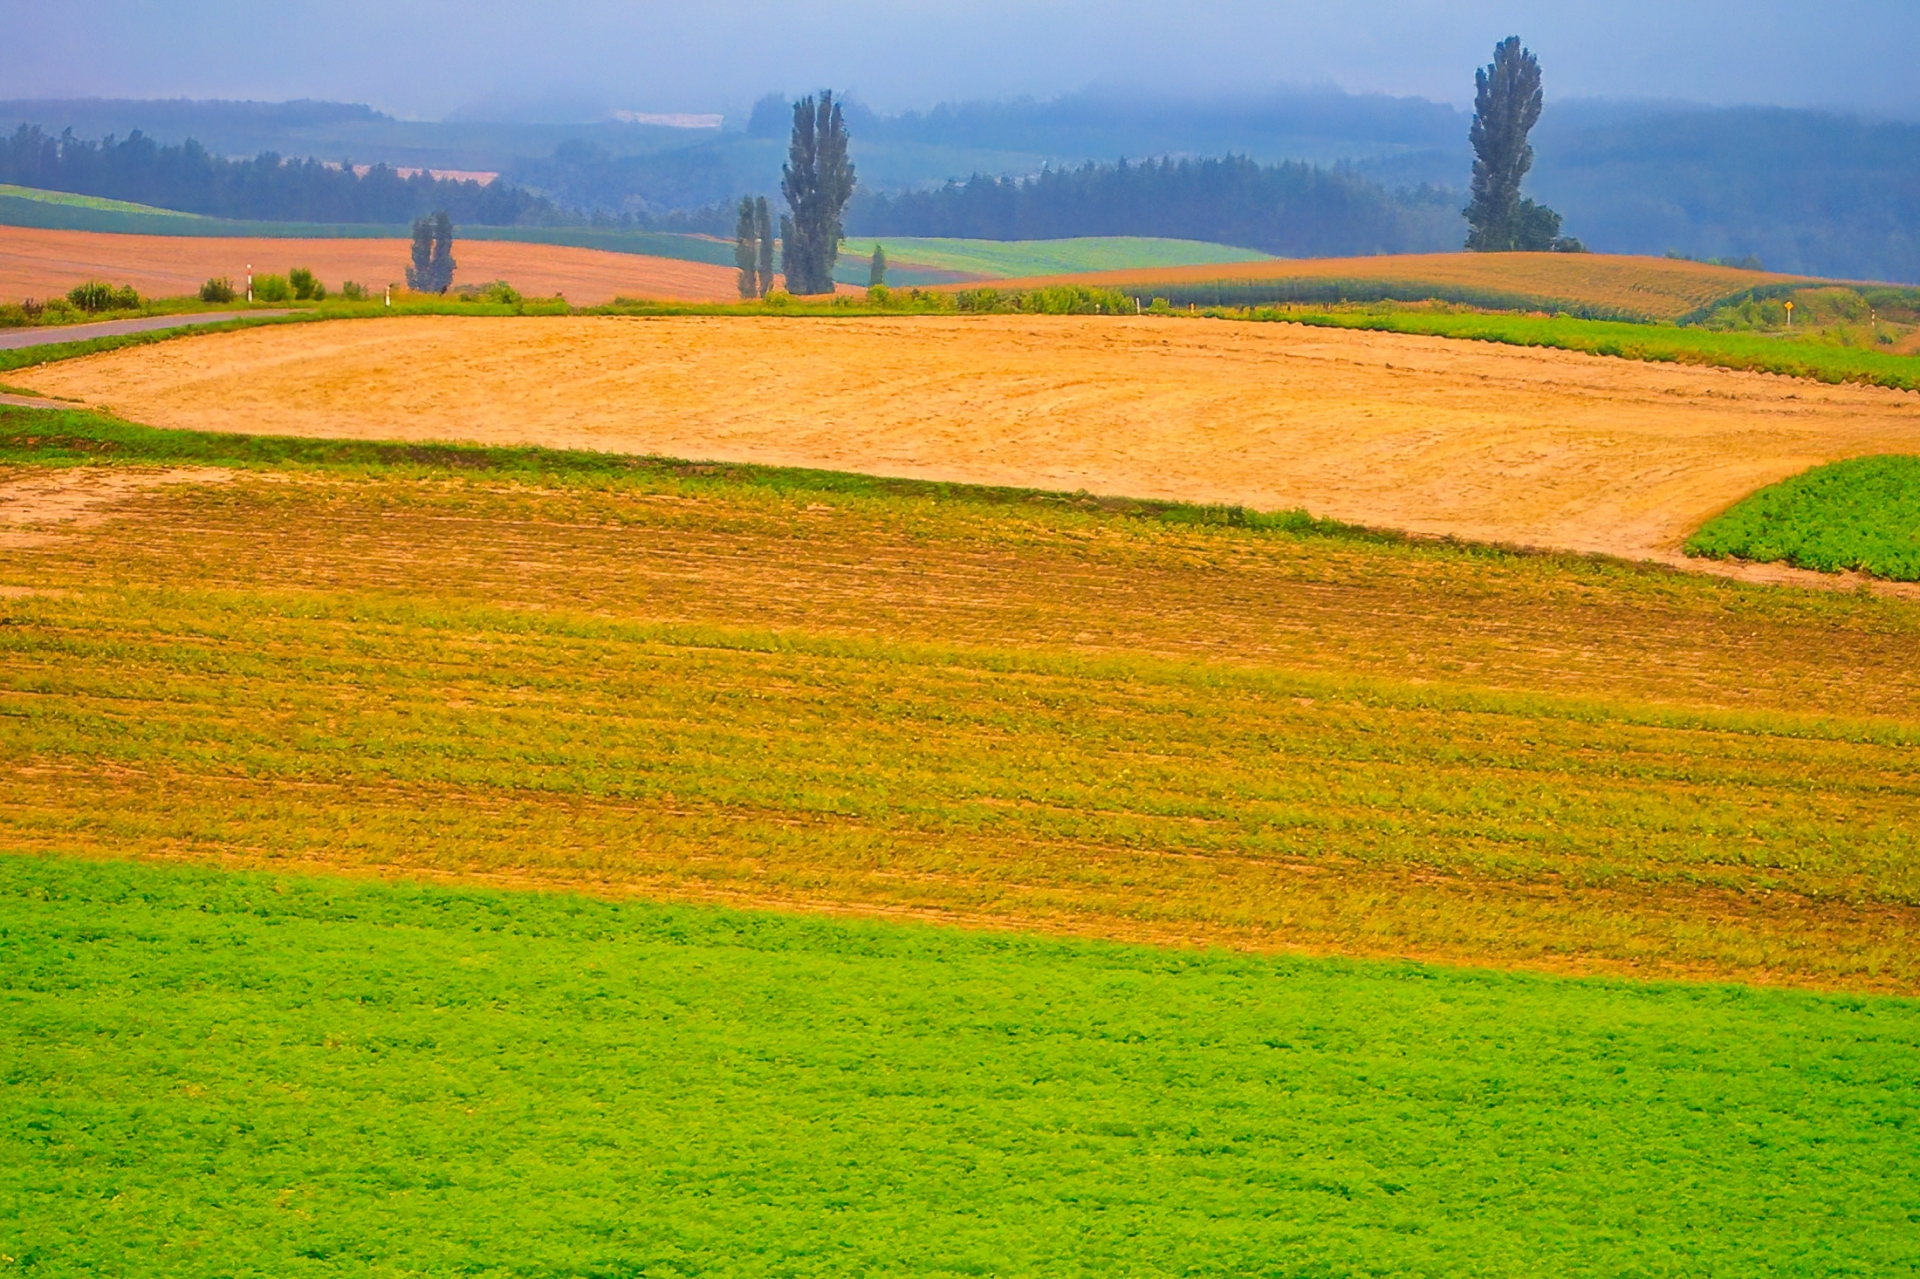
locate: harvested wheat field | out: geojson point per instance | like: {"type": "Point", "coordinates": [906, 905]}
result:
{"type": "Point", "coordinates": [1653, 288]}
{"type": "Point", "coordinates": [1479, 441]}
{"type": "Point", "coordinates": [39, 264]}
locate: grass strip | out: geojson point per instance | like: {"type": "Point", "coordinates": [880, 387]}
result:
{"type": "Point", "coordinates": [1654, 343]}
{"type": "Point", "coordinates": [74, 437]}
{"type": "Point", "coordinates": [1861, 514]}
{"type": "Point", "coordinates": [242, 1075]}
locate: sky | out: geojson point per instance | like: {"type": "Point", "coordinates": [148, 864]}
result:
{"type": "Point", "coordinates": [578, 59]}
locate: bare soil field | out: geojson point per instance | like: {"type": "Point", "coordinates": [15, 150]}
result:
{"type": "Point", "coordinates": [40, 264]}
{"type": "Point", "coordinates": [1479, 441]}
{"type": "Point", "coordinates": [1659, 288]}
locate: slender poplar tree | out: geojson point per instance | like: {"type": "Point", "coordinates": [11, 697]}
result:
{"type": "Point", "coordinates": [746, 250]}
{"type": "Point", "coordinates": [818, 181]}
{"type": "Point", "coordinates": [1506, 106]}
{"type": "Point", "coordinates": [763, 232]}
{"type": "Point", "coordinates": [877, 273]}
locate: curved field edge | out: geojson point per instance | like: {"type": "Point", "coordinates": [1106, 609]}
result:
{"type": "Point", "coordinates": [1648, 343]}
{"type": "Point", "coordinates": [68, 437]}
{"type": "Point", "coordinates": [218, 1072]}
{"type": "Point", "coordinates": [1861, 515]}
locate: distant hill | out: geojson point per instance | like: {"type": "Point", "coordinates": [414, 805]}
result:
{"type": "Point", "coordinates": [1804, 191]}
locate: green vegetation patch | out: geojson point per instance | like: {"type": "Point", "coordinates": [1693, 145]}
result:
{"type": "Point", "coordinates": [219, 1074]}
{"type": "Point", "coordinates": [1862, 514]}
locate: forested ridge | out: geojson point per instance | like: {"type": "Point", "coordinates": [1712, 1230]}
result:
{"type": "Point", "coordinates": [1290, 209]}
{"type": "Point", "coordinates": [267, 187]}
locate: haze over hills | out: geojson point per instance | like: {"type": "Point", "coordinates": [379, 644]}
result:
{"type": "Point", "coordinates": [1804, 191]}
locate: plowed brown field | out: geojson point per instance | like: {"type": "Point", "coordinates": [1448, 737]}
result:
{"type": "Point", "coordinates": [1660, 288]}
{"type": "Point", "coordinates": [1475, 440]}
{"type": "Point", "coordinates": [39, 264]}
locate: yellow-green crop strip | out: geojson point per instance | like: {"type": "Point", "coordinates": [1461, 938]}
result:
{"type": "Point", "coordinates": [1005, 707]}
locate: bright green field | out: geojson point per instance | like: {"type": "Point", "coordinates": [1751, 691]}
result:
{"type": "Point", "coordinates": [69, 200]}
{"type": "Point", "coordinates": [1860, 514]}
{"type": "Point", "coordinates": [1016, 259]}
{"type": "Point", "coordinates": [239, 1075]}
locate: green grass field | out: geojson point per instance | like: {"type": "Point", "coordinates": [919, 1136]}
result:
{"type": "Point", "coordinates": [1861, 514]}
{"type": "Point", "coordinates": [1819, 360]}
{"type": "Point", "coordinates": [242, 1075]}
{"type": "Point", "coordinates": [66, 199]}
{"type": "Point", "coordinates": [1009, 259]}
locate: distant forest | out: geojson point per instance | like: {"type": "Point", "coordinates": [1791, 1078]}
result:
{"type": "Point", "coordinates": [190, 179]}
{"type": "Point", "coordinates": [1291, 209]}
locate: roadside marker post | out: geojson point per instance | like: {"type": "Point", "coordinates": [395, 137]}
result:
{"type": "Point", "coordinates": [249, 284]}
{"type": "Point", "coordinates": [1789, 313]}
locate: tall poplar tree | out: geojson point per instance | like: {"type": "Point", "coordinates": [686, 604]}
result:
{"type": "Point", "coordinates": [431, 270]}
{"type": "Point", "coordinates": [763, 232]}
{"type": "Point", "coordinates": [818, 181]}
{"type": "Point", "coordinates": [746, 250]}
{"type": "Point", "coordinates": [1506, 106]}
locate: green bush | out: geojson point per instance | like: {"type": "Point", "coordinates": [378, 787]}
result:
{"type": "Point", "coordinates": [218, 289]}
{"type": "Point", "coordinates": [353, 291]}
{"type": "Point", "coordinates": [97, 295]}
{"type": "Point", "coordinates": [305, 287]}
{"type": "Point", "coordinates": [272, 288]}
{"type": "Point", "coordinates": [1054, 299]}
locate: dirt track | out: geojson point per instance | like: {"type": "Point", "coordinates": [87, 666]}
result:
{"type": "Point", "coordinates": [41, 264]}
{"type": "Point", "coordinates": [1487, 442]}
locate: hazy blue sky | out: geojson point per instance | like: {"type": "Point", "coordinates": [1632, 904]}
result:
{"type": "Point", "coordinates": [430, 58]}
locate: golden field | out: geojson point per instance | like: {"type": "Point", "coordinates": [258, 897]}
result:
{"type": "Point", "coordinates": [1474, 440]}
{"type": "Point", "coordinates": [1656, 288]}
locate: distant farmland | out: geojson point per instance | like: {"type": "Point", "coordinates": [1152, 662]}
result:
{"type": "Point", "coordinates": [1591, 284]}
{"type": "Point", "coordinates": [994, 259]}
{"type": "Point", "coordinates": [40, 263]}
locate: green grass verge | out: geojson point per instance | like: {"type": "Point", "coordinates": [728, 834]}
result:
{"type": "Point", "coordinates": [1861, 514]}
{"type": "Point", "coordinates": [1007, 259]}
{"type": "Point", "coordinates": [1656, 343]}
{"type": "Point", "coordinates": [244, 1075]}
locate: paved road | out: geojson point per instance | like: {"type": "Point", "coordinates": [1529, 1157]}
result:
{"type": "Point", "coordinates": [14, 339]}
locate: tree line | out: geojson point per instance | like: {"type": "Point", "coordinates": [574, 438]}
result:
{"type": "Point", "coordinates": [191, 179]}
{"type": "Point", "coordinates": [1290, 209]}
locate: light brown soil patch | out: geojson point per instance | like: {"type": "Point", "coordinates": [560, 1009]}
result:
{"type": "Point", "coordinates": [1468, 439]}
{"type": "Point", "coordinates": [38, 506]}
{"type": "Point", "coordinates": [41, 264]}
{"type": "Point", "coordinates": [1660, 288]}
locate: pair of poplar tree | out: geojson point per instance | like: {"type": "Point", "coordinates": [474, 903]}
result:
{"type": "Point", "coordinates": [817, 181]}
{"type": "Point", "coordinates": [1506, 106]}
